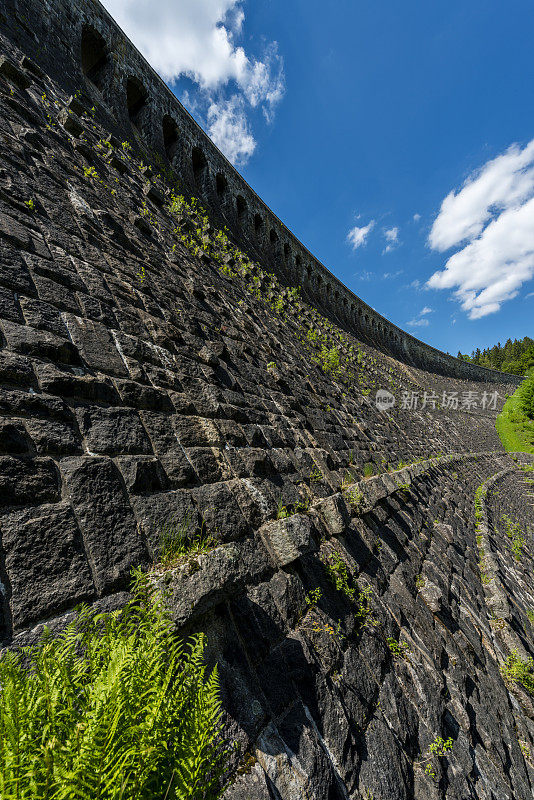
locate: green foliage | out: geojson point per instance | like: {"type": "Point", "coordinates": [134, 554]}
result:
{"type": "Point", "coordinates": [90, 172]}
{"type": "Point", "coordinates": [329, 359]}
{"type": "Point", "coordinates": [515, 670]}
{"type": "Point", "coordinates": [338, 573]}
{"type": "Point", "coordinates": [178, 545]}
{"type": "Point", "coordinates": [514, 426]}
{"type": "Point", "coordinates": [398, 649]}
{"type": "Point", "coordinates": [438, 748]}
{"type": "Point", "coordinates": [348, 479]}
{"type": "Point", "coordinates": [514, 532]}
{"type": "Point", "coordinates": [313, 597]}
{"type": "Point", "coordinates": [114, 708]}
{"type": "Point", "coordinates": [30, 204]}
{"type": "Point", "coordinates": [364, 613]}
{"type": "Point", "coordinates": [300, 507]}
{"type": "Point", "coordinates": [515, 356]}
{"type": "Point", "coordinates": [527, 396]}
{"type": "Point", "coordinates": [316, 475]}
{"type": "Point", "coordinates": [368, 470]}
{"type": "Point", "coordinates": [355, 499]}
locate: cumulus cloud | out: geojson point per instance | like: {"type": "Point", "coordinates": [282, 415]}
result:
{"type": "Point", "coordinates": [228, 127]}
{"type": "Point", "coordinates": [357, 236]}
{"type": "Point", "coordinates": [491, 219]}
{"type": "Point", "coordinates": [199, 39]}
{"type": "Point", "coordinates": [426, 310]}
{"type": "Point", "coordinates": [416, 217]}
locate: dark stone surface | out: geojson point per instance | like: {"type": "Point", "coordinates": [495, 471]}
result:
{"type": "Point", "coordinates": [207, 411]}
{"type": "Point", "coordinates": [108, 526]}
{"type": "Point", "coordinates": [46, 562]}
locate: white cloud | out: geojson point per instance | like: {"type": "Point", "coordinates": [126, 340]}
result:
{"type": "Point", "coordinates": [391, 275]}
{"type": "Point", "coordinates": [357, 236]}
{"type": "Point", "coordinates": [491, 219]}
{"type": "Point", "coordinates": [418, 323]}
{"type": "Point", "coordinates": [391, 236]}
{"type": "Point", "coordinates": [197, 39]}
{"type": "Point", "coordinates": [426, 310]}
{"type": "Point", "coordinates": [416, 217]}
{"type": "Point", "coordinates": [229, 129]}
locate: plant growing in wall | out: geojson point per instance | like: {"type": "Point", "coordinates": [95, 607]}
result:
{"type": "Point", "coordinates": [114, 708]}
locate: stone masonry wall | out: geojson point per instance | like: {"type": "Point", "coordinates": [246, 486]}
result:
{"type": "Point", "coordinates": [143, 385]}
{"type": "Point", "coordinates": [68, 36]}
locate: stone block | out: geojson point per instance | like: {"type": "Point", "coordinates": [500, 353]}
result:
{"type": "Point", "coordinates": [96, 345]}
{"type": "Point", "coordinates": [66, 384]}
{"type": "Point", "coordinates": [220, 510]}
{"type": "Point", "coordinates": [70, 122]}
{"type": "Point", "coordinates": [208, 464]}
{"type": "Point", "coordinates": [334, 514]}
{"type": "Point", "coordinates": [166, 446]}
{"type": "Point", "coordinates": [16, 370]}
{"type": "Point", "coordinates": [142, 396]}
{"type": "Point", "coordinates": [22, 236]}
{"type": "Point", "coordinates": [39, 344]}
{"type": "Point", "coordinates": [44, 316]}
{"type": "Point", "coordinates": [164, 513]}
{"type": "Point", "coordinates": [107, 522]}
{"type": "Point", "coordinates": [196, 432]}
{"type": "Point", "coordinates": [45, 562]}
{"type": "Point", "coordinates": [13, 73]}
{"type": "Point", "coordinates": [55, 293]}
{"type": "Point", "coordinates": [54, 437]}
{"type": "Point", "coordinates": [142, 475]}
{"type": "Point", "coordinates": [195, 586]}
{"type": "Point", "coordinates": [9, 306]}
{"type": "Point", "coordinates": [113, 431]}
{"type": "Point", "coordinates": [28, 481]}
{"type": "Point", "coordinates": [287, 539]}
{"type": "Point", "coordinates": [14, 273]}
{"type": "Point", "coordinates": [14, 438]}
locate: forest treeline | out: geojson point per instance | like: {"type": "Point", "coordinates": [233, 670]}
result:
{"type": "Point", "coordinates": [515, 356]}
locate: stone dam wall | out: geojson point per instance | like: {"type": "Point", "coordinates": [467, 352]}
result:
{"type": "Point", "coordinates": [146, 383]}
{"type": "Point", "coordinates": [78, 42]}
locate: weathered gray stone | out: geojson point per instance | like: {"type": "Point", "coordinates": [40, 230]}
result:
{"type": "Point", "coordinates": [112, 430]}
{"type": "Point", "coordinates": [45, 559]}
{"type": "Point", "coordinates": [106, 520]}
{"type": "Point", "coordinates": [96, 345]}
{"type": "Point", "coordinates": [41, 344]}
{"type": "Point", "coordinates": [288, 539]}
{"type": "Point", "coordinates": [28, 481]}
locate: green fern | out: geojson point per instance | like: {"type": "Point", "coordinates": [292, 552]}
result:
{"type": "Point", "coordinates": [115, 708]}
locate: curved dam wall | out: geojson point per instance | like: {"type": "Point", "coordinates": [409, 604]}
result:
{"type": "Point", "coordinates": [79, 43]}
{"type": "Point", "coordinates": [149, 391]}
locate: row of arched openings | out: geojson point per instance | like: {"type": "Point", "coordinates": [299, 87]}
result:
{"type": "Point", "coordinates": [96, 60]}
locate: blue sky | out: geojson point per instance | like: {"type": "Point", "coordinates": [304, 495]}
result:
{"type": "Point", "coordinates": [380, 133]}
